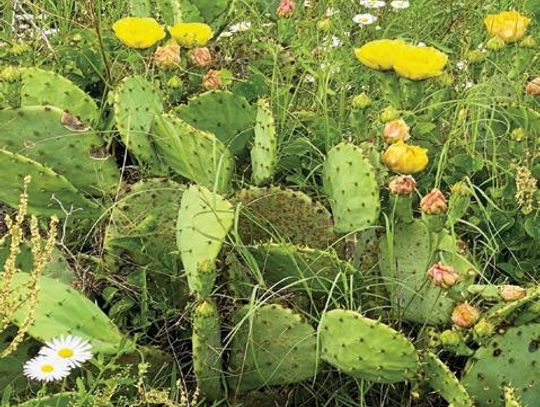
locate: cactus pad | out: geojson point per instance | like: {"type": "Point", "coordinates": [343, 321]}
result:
{"type": "Point", "coordinates": [283, 214]}
{"type": "Point", "coordinates": [230, 117]}
{"type": "Point", "coordinates": [49, 193]}
{"type": "Point", "coordinates": [41, 87]}
{"type": "Point", "coordinates": [512, 359]}
{"type": "Point", "coordinates": [204, 219]}
{"type": "Point", "coordinates": [211, 10]}
{"type": "Point", "coordinates": [350, 182]}
{"type": "Point", "coordinates": [65, 399]}
{"type": "Point", "coordinates": [272, 346]}
{"type": "Point", "coordinates": [264, 151]}
{"type": "Point", "coordinates": [194, 154]}
{"type": "Point", "coordinates": [207, 350]}
{"type": "Point", "coordinates": [54, 138]}
{"type": "Point", "coordinates": [365, 348]}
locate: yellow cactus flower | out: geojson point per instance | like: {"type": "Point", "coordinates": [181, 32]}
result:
{"type": "Point", "coordinates": [405, 159]}
{"type": "Point", "coordinates": [419, 63]}
{"type": "Point", "coordinates": [510, 26]}
{"type": "Point", "coordinates": [379, 54]}
{"type": "Point", "coordinates": [191, 35]}
{"type": "Point", "coordinates": [138, 32]}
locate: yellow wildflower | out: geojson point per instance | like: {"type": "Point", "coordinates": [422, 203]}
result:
{"type": "Point", "coordinates": [191, 35]}
{"type": "Point", "coordinates": [379, 54]}
{"type": "Point", "coordinates": [405, 159]}
{"type": "Point", "coordinates": [138, 32]}
{"type": "Point", "coordinates": [509, 26]}
{"type": "Point", "coordinates": [418, 63]}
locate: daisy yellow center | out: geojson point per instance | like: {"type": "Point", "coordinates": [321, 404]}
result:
{"type": "Point", "coordinates": [65, 353]}
{"type": "Point", "coordinates": [47, 368]}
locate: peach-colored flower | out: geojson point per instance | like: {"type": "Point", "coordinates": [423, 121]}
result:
{"type": "Point", "coordinates": [286, 8]}
{"type": "Point", "coordinates": [167, 56]}
{"type": "Point", "coordinates": [512, 292]}
{"type": "Point", "coordinates": [200, 57]}
{"type": "Point", "coordinates": [212, 80]}
{"type": "Point", "coordinates": [402, 185]}
{"type": "Point", "coordinates": [443, 276]}
{"type": "Point", "coordinates": [533, 87]}
{"type": "Point", "coordinates": [465, 315]}
{"type": "Point", "coordinates": [396, 130]}
{"type": "Point", "coordinates": [433, 203]}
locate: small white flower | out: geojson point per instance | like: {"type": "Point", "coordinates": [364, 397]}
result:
{"type": "Point", "coordinates": [75, 351]}
{"type": "Point", "coordinates": [461, 65]}
{"type": "Point", "coordinates": [364, 19]}
{"type": "Point", "coordinates": [310, 78]}
{"type": "Point", "coordinates": [307, 3]}
{"type": "Point", "coordinates": [372, 3]}
{"type": "Point", "coordinates": [378, 28]}
{"type": "Point", "coordinates": [330, 11]}
{"type": "Point", "coordinates": [240, 27]}
{"type": "Point", "coordinates": [421, 44]}
{"type": "Point", "coordinates": [336, 42]}
{"type": "Point", "coordinates": [400, 4]}
{"type": "Point", "coordinates": [46, 369]}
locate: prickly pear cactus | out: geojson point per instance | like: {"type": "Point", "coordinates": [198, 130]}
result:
{"type": "Point", "coordinates": [40, 87]}
{"type": "Point", "coordinates": [367, 349]}
{"type": "Point", "coordinates": [275, 213]}
{"type": "Point", "coordinates": [140, 8]}
{"type": "Point", "coordinates": [511, 358]}
{"type": "Point", "coordinates": [59, 141]}
{"type": "Point", "coordinates": [212, 10]}
{"type": "Point", "coordinates": [194, 154]}
{"type": "Point", "coordinates": [510, 398]}
{"type": "Point", "coordinates": [230, 117]}
{"type": "Point", "coordinates": [136, 104]}
{"type": "Point", "coordinates": [171, 11]}
{"type": "Point", "coordinates": [264, 151]}
{"type": "Point", "coordinates": [271, 346]}
{"type": "Point", "coordinates": [444, 382]}
{"type": "Point", "coordinates": [207, 350]}
{"type": "Point", "coordinates": [350, 182]}
{"type": "Point", "coordinates": [62, 310]}
{"type": "Point", "coordinates": [49, 193]}
{"type": "Point", "coordinates": [204, 219]}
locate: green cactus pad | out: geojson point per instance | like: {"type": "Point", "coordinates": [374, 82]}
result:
{"type": "Point", "coordinates": [271, 346]}
{"type": "Point", "coordinates": [367, 349]}
{"type": "Point", "coordinates": [207, 350]}
{"type": "Point", "coordinates": [193, 154]}
{"type": "Point", "coordinates": [510, 398]}
{"type": "Point", "coordinates": [350, 182]}
{"type": "Point", "coordinates": [54, 138]}
{"type": "Point", "coordinates": [62, 310]}
{"type": "Point", "coordinates": [300, 268]}
{"type": "Point", "coordinates": [230, 117]}
{"type": "Point", "coordinates": [136, 104]}
{"type": "Point", "coordinates": [171, 11]}
{"type": "Point", "coordinates": [41, 87]}
{"type": "Point", "coordinates": [264, 151]}
{"type": "Point", "coordinates": [49, 193]}
{"type": "Point", "coordinates": [211, 10]}
{"type": "Point", "coordinates": [204, 219]}
{"type": "Point", "coordinates": [512, 359]}
{"type": "Point", "coordinates": [283, 214]}
{"type": "Point", "coordinates": [140, 8]}
{"type": "Point", "coordinates": [444, 382]}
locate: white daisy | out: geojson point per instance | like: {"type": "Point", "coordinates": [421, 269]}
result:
{"type": "Point", "coordinates": [75, 351]}
{"type": "Point", "coordinates": [400, 4]}
{"type": "Point", "coordinates": [364, 19]}
{"type": "Point", "coordinates": [372, 3]}
{"type": "Point", "coordinates": [46, 369]}
{"type": "Point", "coordinates": [240, 27]}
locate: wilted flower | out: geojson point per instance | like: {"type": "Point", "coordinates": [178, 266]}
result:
{"type": "Point", "coordinates": [417, 63]}
{"type": "Point", "coordinates": [402, 185]}
{"type": "Point", "coordinates": [212, 80]}
{"type": "Point", "coordinates": [379, 54]}
{"type": "Point", "coordinates": [405, 159]}
{"type": "Point", "coordinates": [510, 26]}
{"type": "Point", "coordinates": [442, 276]}
{"type": "Point", "coordinates": [512, 292]}
{"type": "Point", "coordinates": [396, 130]}
{"type": "Point", "coordinates": [433, 203]}
{"type": "Point", "coordinates": [167, 56]}
{"type": "Point", "coordinates": [400, 4]}
{"type": "Point", "coordinates": [191, 35]}
{"type": "Point", "coordinates": [465, 315]}
{"type": "Point", "coordinates": [200, 57]}
{"type": "Point", "coordinates": [533, 87]}
{"type": "Point", "coordinates": [286, 8]}
{"type": "Point", "coordinates": [137, 32]}
{"type": "Point", "coordinates": [364, 19]}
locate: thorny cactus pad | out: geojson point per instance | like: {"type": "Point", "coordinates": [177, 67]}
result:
{"type": "Point", "coordinates": [264, 151]}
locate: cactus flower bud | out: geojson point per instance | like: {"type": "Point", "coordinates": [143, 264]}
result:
{"type": "Point", "coordinates": [389, 113]}
{"type": "Point", "coordinates": [495, 43]}
{"type": "Point", "coordinates": [512, 292]}
{"type": "Point", "coordinates": [443, 276]}
{"type": "Point", "coordinates": [450, 338]}
{"type": "Point", "coordinates": [528, 42]}
{"type": "Point", "coordinates": [200, 57]}
{"type": "Point", "coordinates": [402, 185]}
{"type": "Point", "coordinates": [465, 315]}
{"type": "Point", "coordinates": [361, 101]}
{"type": "Point", "coordinates": [483, 329]}
{"type": "Point", "coordinates": [476, 56]}
{"type": "Point", "coordinates": [324, 25]}
{"type": "Point", "coordinates": [167, 56]}
{"type": "Point", "coordinates": [212, 80]}
{"type": "Point", "coordinates": [396, 130]}
{"type": "Point", "coordinates": [533, 87]}
{"type": "Point", "coordinates": [518, 134]}
{"type": "Point", "coordinates": [286, 8]}
{"type": "Point", "coordinates": [434, 203]}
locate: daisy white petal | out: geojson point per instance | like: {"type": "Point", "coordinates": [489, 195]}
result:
{"type": "Point", "coordinates": [400, 4]}
{"type": "Point", "coordinates": [46, 369]}
{"type": "Point", "coordinates": [364, 19]}
{"type": "Point", "coordinates": [372, 3]}
{"type": "Point", "coordinates": [74, 350]}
